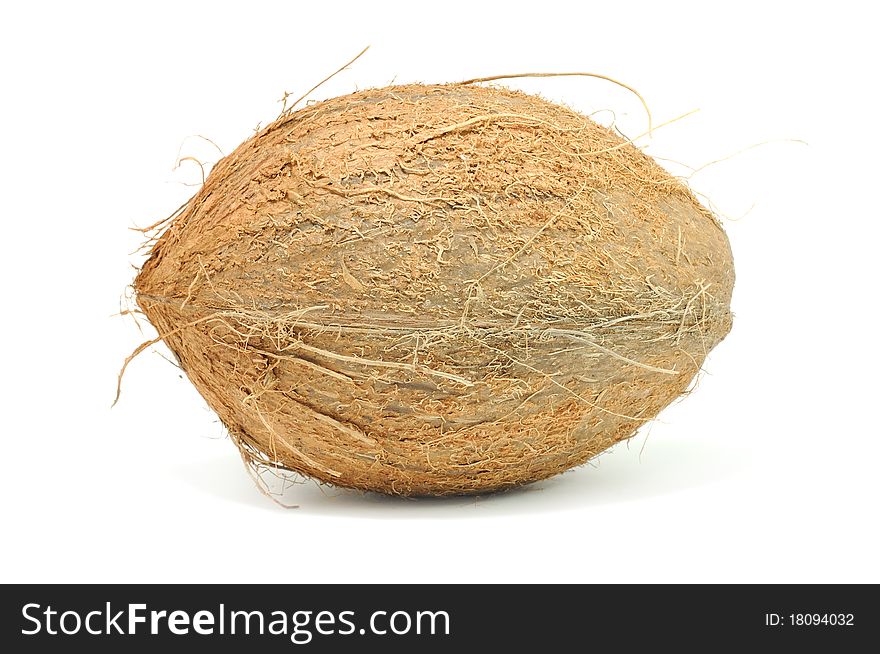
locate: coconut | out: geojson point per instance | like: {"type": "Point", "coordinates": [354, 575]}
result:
{"type": "Point", "coordinates": [437, 289]}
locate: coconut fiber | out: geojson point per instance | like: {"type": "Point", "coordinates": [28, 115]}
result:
{"type": "Point", "coordinates": [437, 289]}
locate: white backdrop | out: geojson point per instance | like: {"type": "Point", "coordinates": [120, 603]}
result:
{"type": "Point", "coordinates": [767, 472]}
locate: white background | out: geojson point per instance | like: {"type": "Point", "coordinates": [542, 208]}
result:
{"type": "Point", "coordinates": [766, 473]}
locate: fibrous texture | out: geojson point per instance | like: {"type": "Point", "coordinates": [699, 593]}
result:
{"type": "Point", "coordinates": [443, 289]}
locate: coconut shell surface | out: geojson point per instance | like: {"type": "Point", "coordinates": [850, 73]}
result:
{"type": "Point", "coordinates": [427, 290]}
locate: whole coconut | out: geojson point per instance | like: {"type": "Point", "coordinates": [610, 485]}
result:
{"type": "Point", "coordinates": [438, 289]}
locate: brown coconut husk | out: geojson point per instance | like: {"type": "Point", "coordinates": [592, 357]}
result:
{"type": "Point", "coordinates": [437, 289]}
